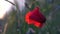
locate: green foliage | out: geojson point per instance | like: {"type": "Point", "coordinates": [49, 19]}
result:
{"type": "Point", "coordinates": [54, 22]}
{"type": "Point", "coordinates": [12, 24]}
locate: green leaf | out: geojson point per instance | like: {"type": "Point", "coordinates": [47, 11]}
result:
{"type": "Point", "coordinates": [32, 7]}
{"type": "Point", "coordinates": [37, 3]}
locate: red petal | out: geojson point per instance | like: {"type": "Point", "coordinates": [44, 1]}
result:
{"type": "Point", "coordinates": [37, 24]}
{"type": "Point", "coordinates": [27, 18]}
{"type": "Point", "coordinates": [36, 15]}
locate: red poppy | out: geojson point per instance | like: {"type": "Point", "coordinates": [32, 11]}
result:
{"type": "Point", "coordinates": [35, 17]}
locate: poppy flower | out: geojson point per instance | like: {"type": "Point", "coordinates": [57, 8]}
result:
{"type": "Point", "coordinates": [35, 17]}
